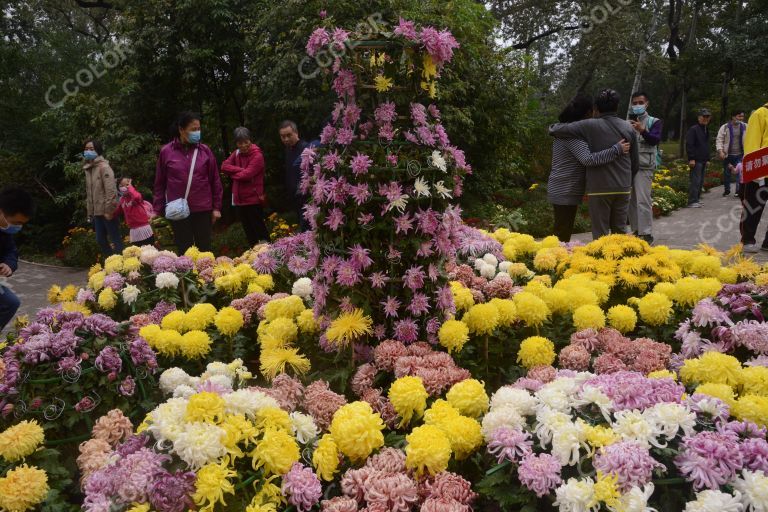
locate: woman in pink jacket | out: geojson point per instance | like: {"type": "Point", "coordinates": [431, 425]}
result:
{"type": "Point", "coordinates": [132, 207]}
{"type": "Point", "coordinates": [246, 168]}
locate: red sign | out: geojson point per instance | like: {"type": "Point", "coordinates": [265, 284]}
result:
{"type": "Point", "coordinates": [754, 165]}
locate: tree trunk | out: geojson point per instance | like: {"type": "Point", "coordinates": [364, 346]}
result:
{"type": "Point", "coordinates": [649, 35]}
{"type": "Point", "coordinates": [683, 119]}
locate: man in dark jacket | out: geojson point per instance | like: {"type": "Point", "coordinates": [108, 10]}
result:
{"type": "Point", "coordinates": [608, 186]}
{"type": "Point", "coordinates": [294, 147]}
{"type": "Point", "coordinates": [16, 209]}
{"type": "Point", "coordinates": [697, 148]}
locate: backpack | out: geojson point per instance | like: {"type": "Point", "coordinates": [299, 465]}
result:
{"type": "Point", "coordinates": [150, 211]}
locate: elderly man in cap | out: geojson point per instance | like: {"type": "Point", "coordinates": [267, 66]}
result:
{"type": "Point", "coordinates": [697, 147]}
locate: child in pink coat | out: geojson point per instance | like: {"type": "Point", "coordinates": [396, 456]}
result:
{"type": "Point", "coordinates": [133, 207]}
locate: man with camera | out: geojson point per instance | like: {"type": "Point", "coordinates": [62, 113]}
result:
{"type": "Point", "coordinates": [648, 129]}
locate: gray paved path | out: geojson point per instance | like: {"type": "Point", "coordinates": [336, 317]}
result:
{"type": "Point", "coordinates": [32, 281]}
{"type": "Point", "coordinates": [716, 224]}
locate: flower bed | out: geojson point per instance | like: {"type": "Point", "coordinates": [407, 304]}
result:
{"type": "Point", "coordinates": [433, 367]}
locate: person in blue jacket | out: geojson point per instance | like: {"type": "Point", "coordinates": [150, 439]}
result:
{"type": "Point", "coordinates": [16, 208]}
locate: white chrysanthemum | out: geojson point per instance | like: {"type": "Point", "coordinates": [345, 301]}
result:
{"type": "Point", "coordinates": [491, 259]}
{"type": "Point", "coordinates": [421, 187]}
{"type": "Point", "coordinates": [753, 486]}
{"type": "Point", "coordinates": [222, 381]}
{"type": "Point", "coordinates": [636, 499]}
{"type": "Point", "coordinates": [566, 441]}
{"type": "Point", "coordinates": [520, 399]}
{"type": "Point", "coordinates": [166, 280]}
{"type": "Point", "coordinates": [216, 368]}
{"type": "Point", "coordinates": [442, 191]}
{"type": "Point", "coordinates": [184, 391]}
{"type": "Point", "coordinates": [632, 425]}
{"type": "Point", "coordinates": [669, 418]}
{"type": "Point", "coordinates": [502, 275]}
{"type": "Point", "coordinates": [479, 263]}
{"type": "Point", "coordinates": [304, 428]}
{"type": "Point", "coordinates": [130, 293]}
{"type": "Point", "coordinates": [547, 421]}
{"type": "Point", "coordinates": [302, 287]}
{"type": "Point", "coordinates": [172, 378]}
{"type": "Point", "coordinates": [592, 395]}
{"type": "Point", "coordinates": [248, 402]}
{"type": "Point", "coordinates": [488, 271]}
{"type": "Point", "coordinates": [168, 419]}
{"type": "Point", "coordinates": [708, 404]}
{"type": "Point", "coordinates": [148, 254]}
{"type": "Point", "coordinates": [199, 444]}
{"type": "Point", "coordinates": [576, 495]}
{"type": "Point", "coordinates": [438, 160]}
{"type": "Point", "coordinates": [504, 266]}
{"type": "Point", "coordinates": [558, 394]}
{"type": "Point", "coordinates": [715, 501]}
{"type": "Point", "coordinates": [504, 416]}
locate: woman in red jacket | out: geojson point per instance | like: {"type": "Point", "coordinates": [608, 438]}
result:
{"type": "Point", "coordinates": [132, 207]}
{"type": "Point", "coordinates": [246, 168]}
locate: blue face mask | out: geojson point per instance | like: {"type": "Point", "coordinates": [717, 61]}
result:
{"type": "Point", "coordinates": [194, 137]}
{"type": "Point", "coordinates": [89, 154]}
{"type": "Point", "coordinates": [638, 109]}
{"type": "Point", "coordinates": [11, 229]}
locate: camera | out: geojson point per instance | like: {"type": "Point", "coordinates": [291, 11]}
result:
{"type": "Point", "coordinates": [634, 117]}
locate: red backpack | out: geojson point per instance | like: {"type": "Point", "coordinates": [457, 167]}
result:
{"type": "Point", "coordinates": [150, 211]}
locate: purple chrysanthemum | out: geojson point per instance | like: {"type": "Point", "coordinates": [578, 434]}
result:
{"type": "Point", "coordinates": [510, 444]}
{"type": "Point", "coordinates": [540, 473]}
{"type": "Point", "coordinates": [302, 487]}
{"type": "Point", "coordinates": [709, 459]}
{"type": "Point", "coordinates": [630, 461]}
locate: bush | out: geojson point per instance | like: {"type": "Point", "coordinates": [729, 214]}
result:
{"type": "Point", "coordinates": [79, 248]}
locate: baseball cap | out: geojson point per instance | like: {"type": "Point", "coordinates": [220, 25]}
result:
{"type": "Point", "coordinates": [705, 112]}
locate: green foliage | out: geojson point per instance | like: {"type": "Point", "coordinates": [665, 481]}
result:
{"type": "Point", "coordinates": [79, 248]}
{"type": "Point", "coordinates": [230, 241]}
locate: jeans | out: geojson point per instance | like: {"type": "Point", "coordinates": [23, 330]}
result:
{"type": "Point", "coordinates": [753, 198]}
{"type": "Point", "coordinates": [732, 160]}
{"type": "Point", "coordinates": [697, 181]}
{"type": "Point", "coordinates": [565, 217]}
{"type": "Point", "coordinates": [197, 230]}
{"type": "Point", "coordinates": [108, 228]}
{"type": "Point", "coordinates": [9, 304]}
{"type": "Point", "coordinates": [252, 217]}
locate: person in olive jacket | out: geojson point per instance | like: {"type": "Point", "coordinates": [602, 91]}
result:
{"type": "Point", "coordinates": [101, 198]}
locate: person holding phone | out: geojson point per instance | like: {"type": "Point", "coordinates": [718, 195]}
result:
{"type": "Point", "coordinates": [648, 129]}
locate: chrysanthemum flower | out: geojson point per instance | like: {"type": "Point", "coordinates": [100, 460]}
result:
{"type": "Point", "coordinates": [588, 316]}
{"type": "Point", "coordinates": [408, 397]}
{"type": "Point", "coordinates": [622, 318]}
{"type": "Point", "coordinates": [20, 440]}
{"type": "Point", "coordinates": [531, 309]}
{"type": "Point", "coordinates": [468, 397]}
{"type": "Point", "coordinates": [348, 327]}
{"type": "Point", "coordinates": [453, 334]}
{"type": "Point", "coordinates": [276, 452]}
{"type": "Point", "coordinates": [212, 483]}
{"type": "Point", "coordinates": [357, 430]}
{"type": "Point", "coordinates": [275, 361]}
{"type": "Point", "coordinates": [655, 308]}
{"type": "Point", "coordinates": [428, 450]}
{"type": "Point", "coordinates": [23, 488]}
{"type": "Point", "coordinates": [228, 321]}
{"type": "Point", "coordinates": [536, 351]}
{"type": "Point", "coordinates": [325, 458]}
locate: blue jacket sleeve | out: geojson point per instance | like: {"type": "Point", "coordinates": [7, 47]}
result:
{"type": "Point", "coordinates": [653, 136]}
{"type": "Point", "coordinates": [10, 255]}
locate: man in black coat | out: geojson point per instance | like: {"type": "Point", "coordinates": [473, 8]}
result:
{"type": "Point", "coordinates": [294, 147]}
{"type": "Point", "coordinates": [697, 148]}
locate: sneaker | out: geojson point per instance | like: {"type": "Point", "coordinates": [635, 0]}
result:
{"type": "Point", "coordinates": [649, 238]}
{"type": "Point", "coordinates": [726, 193]}
{"type": "Point", "coordinates": [750, 248]}
{"type": "Point", "coordinates": [694, 205]}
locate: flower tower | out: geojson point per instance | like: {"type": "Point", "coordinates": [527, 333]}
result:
{"type": "Point", "coordinates": [381, 186]}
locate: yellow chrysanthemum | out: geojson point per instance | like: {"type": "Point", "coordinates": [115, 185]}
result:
{"type": "Point", "coordinates": [453, 334]}
{"type": "Point", "coordinates": [754, 380]}
{"type": "Point", "coordinates": [728, 275]}
{"type": "Point", "coordinates": [481, 318]}
{"type": "Point", "coordinates": [468, 397]}
{"type": "Point", "coordinates": [464, 434]}
{"type": "Point", "coordinates": [71, 306]}
{"type": "Point", "coordinates": [711, 367]}
{"type": "Point", "coordinates": [428, 450]}
{"type": "Point", "coordinates": [507, 311]}
{"type": "Point", "coordinates": [199, 317]}
{"type": "Point", "coordinates": [667, 289]}
{"type": "Point", "coordinates": [276, 452]}
{"type": "Point", "coordinates": [20, 440]}
{"type": "Point", "coordinates": [205, 406]}
{"type": "Point", "coordinates": [440, 413]}
{"type": "Point", "coordinates": [606, 490]}
{"type": "Point", "coordinates": [588, 316]}
{"type": "Point", "coordinates": [655, 308]}
{"type": "Point", "coordinates": [408, 397]}
{"type": "Point", "coordinates": [131, 264]}
{"type": "Point", "coordinates": [53, 294]}
{"type": "Point", "coordinates": [752, 408]}
{"type": "Point", "coordinates": [174, 321]}
{"type": "Point", "coordinates": [139, 507]}
{"type": "Point", "coordinates": [723, 392]}
{"type": "Point", "coordinates": [325, 458]}
{"type": "Point", "coordinates": [760, 279]}
{"type": "Point", "coordinates": [211, 484]}
{"type": "Point", "coordinates": [382, 83]}
{"type": "Point", "coordinates": [531, 309]}
{"type": "Point", "coordinates": [357, 430]}
{"type": "Point", "coordinates": [279, 333]}
{"type": "Point", "coordinates": [558, 301]}
{"type": "Point", "coordinates": [348, 327]}
{"type": "Point", "coordinates": [599, 436]}
{"type": "Point", "coordinates": [265, 281]}
{"type": "Point", "coordinates": [705, 266]}
{"type": "Point", "coordinates": [107, 299]}
{"type": "Point", "coordinates": [23, 488]}
{"type": "Point", "coordinates": [273, 418]}
{"type": "Point", "coordinates": [228, 321]}
{"type": "Point", "coordinates": [113, 263]}
{"type": "Point", "coordinates": [622, 318]}
{"type": "Point", "coordinates": [462, 296]}
{"type": "Point", "coordinates": [306, 322]}
{"type": "Point", "coordinates": [287, 307]}
{"type": "Point", "coordinates": [690, 290]}
{"type": "Point", "coordinates": [662, 374]}
{"type": "Point", "coordinates": [275, 361]}
{"type": "Point", "coordinates": [195, 344]}
{"type": "Point", "coordinates": [150, 332]}
{"type": "Point", "coordinates": [167, 342]}
{"type": "Point", "coordinates": [536, 351]}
